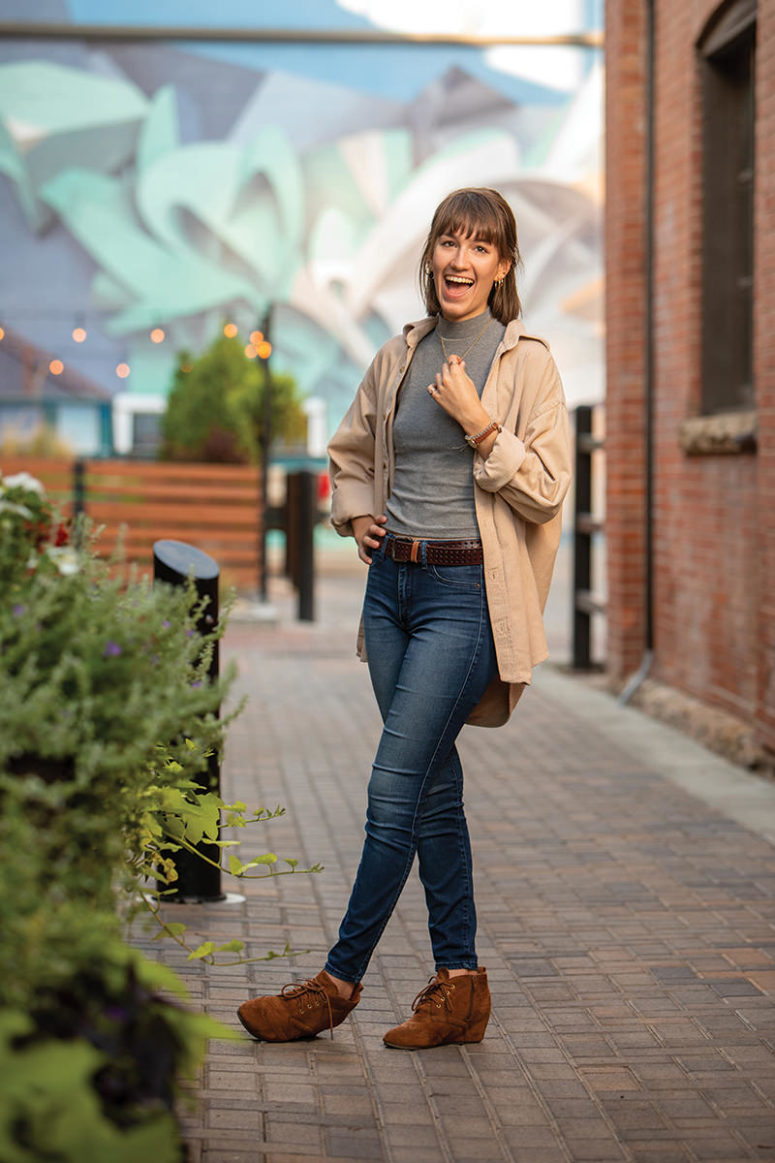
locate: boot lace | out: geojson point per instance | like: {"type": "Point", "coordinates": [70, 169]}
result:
{"type": "Point", "coordinates": [309, 994]}
{"type": "Point", "coordinates": [436, 993]}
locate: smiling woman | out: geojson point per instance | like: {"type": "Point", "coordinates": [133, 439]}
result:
{"type": "Point", "coordinates": [470, 258]}
{"type": "Point", "coordinates": [449, 470]}
{"type": "Point", "coordinates": [464, 269]}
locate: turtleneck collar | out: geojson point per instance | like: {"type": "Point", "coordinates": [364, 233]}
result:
{"type": "Point", "coordinates": [463, 328]}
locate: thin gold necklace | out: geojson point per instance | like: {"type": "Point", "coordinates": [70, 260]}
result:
{"type": "Point", "coordinates": [473, 342]}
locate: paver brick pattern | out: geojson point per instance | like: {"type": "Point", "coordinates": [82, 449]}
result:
{"type": "Point", "coordinates": [627, 928]}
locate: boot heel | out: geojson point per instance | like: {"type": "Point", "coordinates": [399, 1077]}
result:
{"type": "Point", "coordinates": [475, 1031]}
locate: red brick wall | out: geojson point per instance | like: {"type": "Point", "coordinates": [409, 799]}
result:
{"type": "Point", "coordinates": [714, 531]}
{"type": "Point", "coordinates": [764, 365]}
{"type": "Point", "coordinates": [625, 291]}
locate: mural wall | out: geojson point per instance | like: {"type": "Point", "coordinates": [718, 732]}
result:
{"type": "Point", "coordinates": [176, 186]}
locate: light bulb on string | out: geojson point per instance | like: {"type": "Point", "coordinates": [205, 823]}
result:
{"type": "Point", "coordinates": [122, 370]}
{"type": "Point", "coordinates": [157, 335]}
{"type": "Point", "coordinates": [230, 330]}
{"type": "Point", "coordinates": [79, 334]}
{"type": "Point", "coordinates": [264, 349]}
{"type": "Point", "coordinates": [56, 367]}
{"type": "Point", "coordinates": [2, 335]}
{"type": "Point", "coordinates": [256, 337]}
{"type": "Point", "coordinates": [250, 351]}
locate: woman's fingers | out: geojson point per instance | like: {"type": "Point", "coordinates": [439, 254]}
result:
{"type": "Point", "coordinates": [371, 538]}
{"type": "Point", "coordinates": [368, 533]}
{"type": "Point", "coordinates": [452, 388]}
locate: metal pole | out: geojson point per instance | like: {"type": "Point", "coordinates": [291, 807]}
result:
{"type": "Point", "coordinates": [307, 500]}
{"type": "Point", "coordinates": [79, 501]}
{"type": "Point", "coordinates": [79, 489]}
{"type": "Point", "coordinates": [61, 30]}
{"type": "Point", "coordinates": [582, 539]}
{"type": "Point", "coordinates": [266, 444]}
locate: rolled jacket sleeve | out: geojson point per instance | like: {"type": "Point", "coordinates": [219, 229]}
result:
{"type": "Point", "coordinates": [532, 474]}
{"type": "Point", "coordinates": [351, 459]}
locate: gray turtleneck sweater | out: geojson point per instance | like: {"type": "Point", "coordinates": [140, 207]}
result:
{"type": "Point", "coordinates": [433, 488]}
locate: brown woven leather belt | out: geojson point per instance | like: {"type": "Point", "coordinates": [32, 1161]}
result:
{"type": "Point", "coordinates": [436, 552]}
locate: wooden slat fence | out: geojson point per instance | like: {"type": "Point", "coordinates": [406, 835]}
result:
{"type": "Point", "coordinates": [215, 507]}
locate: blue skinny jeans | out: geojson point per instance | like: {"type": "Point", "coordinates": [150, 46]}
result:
{"type": "Point", "coordinates": [431, 658]}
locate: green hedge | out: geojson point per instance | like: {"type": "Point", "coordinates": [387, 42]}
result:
{"type": "Point", "coordinates": [107, 717]}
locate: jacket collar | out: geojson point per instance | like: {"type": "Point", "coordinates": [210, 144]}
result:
{"type": "Point", "coordinates": [515, 330]}
{"type": "Point", "coordinates": [414, 332]}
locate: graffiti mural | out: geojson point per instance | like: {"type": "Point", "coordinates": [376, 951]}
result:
{"type": "Point", "coordinates": [170, 187]}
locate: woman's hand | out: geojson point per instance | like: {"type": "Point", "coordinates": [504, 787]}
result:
{"type": "Point", "coordinates": [455, 392]}
{"type": "Point", "coordinates": [368, 533]}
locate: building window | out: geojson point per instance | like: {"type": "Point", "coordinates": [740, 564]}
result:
{"type": "Point", "coordinates": [727, 55]}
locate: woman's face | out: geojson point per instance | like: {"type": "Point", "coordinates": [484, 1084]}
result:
{"type": "Point", "coordinates": [464, 269]}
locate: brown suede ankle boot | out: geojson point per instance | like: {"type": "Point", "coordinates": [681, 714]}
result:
{"type": "Point", "coordinates": [299, 1011]}
{"type": "Point", "coordinates": [448, 1010]}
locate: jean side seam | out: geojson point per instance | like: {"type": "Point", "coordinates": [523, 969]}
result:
{"type": "Point", "coordinates": [474, 658]}
{"type": "Point", "coordinates": [468, 937]}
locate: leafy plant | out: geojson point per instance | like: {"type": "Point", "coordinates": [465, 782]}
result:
{"type": "Point", "coordinates": [174, 814]}
{"type": "Point", "coordinates": [90, 1041]}
{"type": "Point", "coordinates": [107, 720]}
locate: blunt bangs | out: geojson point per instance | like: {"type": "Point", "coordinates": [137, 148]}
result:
{"type": "Point", "coordinates": [471, 216]}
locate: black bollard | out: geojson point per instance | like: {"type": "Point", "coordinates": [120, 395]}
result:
{"type": "Point", "coordinates": [175, 562]}
{"type": "Point", "coordinates": [307, 501]}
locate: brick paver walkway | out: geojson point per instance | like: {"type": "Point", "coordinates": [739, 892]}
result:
{"type": "Point", "coordinates": [627, 926]}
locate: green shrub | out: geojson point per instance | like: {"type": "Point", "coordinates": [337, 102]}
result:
{"type": "Point", "coordinates": [107, 721]}
{"type": "Point", "coordinates": [215, 409]}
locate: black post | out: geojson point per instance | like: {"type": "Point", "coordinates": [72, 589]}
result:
{"type": "Point", "coordinates": [582, 540]}
{"type": "Point", "coordinates": [79, 489]}
{"type": "Point", "coordinates": [292, 528]}
{"type": "Point", "coordinates": [174, 562]}
{"type": "Point", "coordinates": [266, 444]}
{"type": "Point", "coordinates": [79, 500]}
{"type": "Point", "coordinates": [307, 502]}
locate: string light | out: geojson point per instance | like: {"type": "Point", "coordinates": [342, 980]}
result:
{"type": "Point", "coordinates": [56, 367]}
{"type": "Point", "coordinates": [230, 330]}
{"type": "Point", "coordinates": [250, 351]}
{"type": "Point", "coordinates": [157, 335]}
{"type": "Point", "coordinates": [264, 349]}
{"type": "Point", "coordinates": [122, 370]}
{"type": "Point", "coordinates": [79, 334]}
{"type": "Point", "coordinates": [256, 337]}
{"type": "Point", "coordinates": [2, 335]}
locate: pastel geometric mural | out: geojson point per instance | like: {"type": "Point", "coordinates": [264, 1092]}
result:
{"type": "Point", "coordinates": [174, 185]}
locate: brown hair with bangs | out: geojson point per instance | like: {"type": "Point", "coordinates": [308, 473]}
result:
{"type": "Point", "coordinates": [487, 215]}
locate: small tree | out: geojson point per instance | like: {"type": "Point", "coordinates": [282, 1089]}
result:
{"type": "Point", "coordinates": [215, 410]}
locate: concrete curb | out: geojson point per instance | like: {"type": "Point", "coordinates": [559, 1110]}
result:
{"type": "Point", "coordinates": [747, 798]}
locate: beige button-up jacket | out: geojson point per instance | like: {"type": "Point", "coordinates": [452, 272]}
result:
{"type": "Point", "coordinates": [519, 489]}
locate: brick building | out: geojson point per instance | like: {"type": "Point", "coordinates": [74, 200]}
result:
{"type": "Point", "coordinates": [690, 439]}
